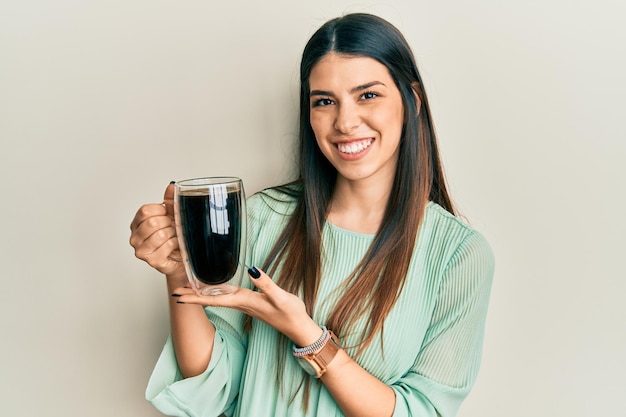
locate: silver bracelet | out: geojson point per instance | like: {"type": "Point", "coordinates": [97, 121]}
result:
{"type": "Point", "coordinates": [315, 347]}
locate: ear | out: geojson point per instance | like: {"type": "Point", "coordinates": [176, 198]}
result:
{"type": "Point", "coordinates": [417, 91]}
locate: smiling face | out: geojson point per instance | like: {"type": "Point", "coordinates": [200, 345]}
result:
{"type": "Point", "coordinates": [357, 116]}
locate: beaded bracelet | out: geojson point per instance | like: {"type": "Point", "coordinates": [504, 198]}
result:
{"type": "Point", "coordinates": [315, 347]}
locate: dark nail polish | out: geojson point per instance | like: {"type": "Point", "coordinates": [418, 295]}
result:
{"type": "Point", "coordinates": [172, 182]}
{"type": "Point", "coordinates": [175, 295]}
{"type": "Point", "coordinates": [179, 302]}
{"type": "Point", "coordinates": [254, 273]}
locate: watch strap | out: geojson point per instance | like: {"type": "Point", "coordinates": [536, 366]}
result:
{"type": "Point", "coordinates": [316, 364]}
{"type": "Point", "coordinates": [327, 354]}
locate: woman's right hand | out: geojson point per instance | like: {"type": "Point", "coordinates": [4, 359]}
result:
{"type": "Point", "coordinates": [153, 236]}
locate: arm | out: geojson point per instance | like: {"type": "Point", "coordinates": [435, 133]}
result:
{"type": "Point", "coordinates": [448, 362]}
{"type": "Point", "coordinates": [192, 332]}
{"type": "Point", "coordinates": [356, 391]}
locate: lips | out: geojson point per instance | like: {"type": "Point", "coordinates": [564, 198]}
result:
{"type": "Point", "coordinates": [354, 147]}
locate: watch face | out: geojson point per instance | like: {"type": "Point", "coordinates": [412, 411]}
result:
{"type": "Point", "coordinates": [307, 365]}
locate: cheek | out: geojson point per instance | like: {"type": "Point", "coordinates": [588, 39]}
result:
{"type": "Point", "coordinates": [319, 128]}
{"type": "Point", "coordinates": [399, 120]}
{"type": "Point", "coordinates": [390, 123]}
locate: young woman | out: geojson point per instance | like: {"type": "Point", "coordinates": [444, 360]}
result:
{"type": "Point", "coordinates": [374, 295]}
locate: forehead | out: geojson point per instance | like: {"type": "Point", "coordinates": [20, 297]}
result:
{"type": "Point", "coordinates": [347, 70]}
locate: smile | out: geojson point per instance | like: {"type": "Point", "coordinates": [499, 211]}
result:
{"type": "Point", "coordinates": [355, 147]}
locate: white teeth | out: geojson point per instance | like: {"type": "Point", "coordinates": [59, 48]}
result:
{"type": "Point", "coordinates": [354, 147]}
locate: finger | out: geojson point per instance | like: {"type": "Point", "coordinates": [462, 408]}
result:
{"type": "Point", "coordinates": [160, 244]}
{"type": "Point", "coordinates": [151, 228]}
{"type": "Point", "coordinates": [180, 291]}
{"type": "Point", "coordinates": [277, 299]}
{"type": "Point", "coordinates": [146, 211]}
{"type": "Point", "coordinates": [160, 259]}
{"type": "Point", "coordinates": [241, 299]}
{"type": "Point", "coordinates": [261, 280]}
{"type": "Point", "coordinates": [168, 199]}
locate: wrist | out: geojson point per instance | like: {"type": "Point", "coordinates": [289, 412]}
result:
{"type": "Point", "coordinates": [316, 357]}
{"type": "Point", "coordinates": [314, 347]}
{"type": "Point", "coordinates": [307, 334]}
{"type": "Point", "coordinates": [176, 280]}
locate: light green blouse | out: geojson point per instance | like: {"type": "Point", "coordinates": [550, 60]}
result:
{"type": "Point", "coordinates": [432, 338]}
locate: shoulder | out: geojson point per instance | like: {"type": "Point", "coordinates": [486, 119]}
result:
{"type": "Point", "coordinates": [269, 210]}
{"type": "Point", "coordinates": [437, 216]}
{"type": "Point", "coordinates": [451, 238]}
{"type": "Point", "coordinates": [444, 224]}
{"type": "Point", "coordinates": [276, 201]}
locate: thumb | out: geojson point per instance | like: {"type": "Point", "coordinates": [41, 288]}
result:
{"type": "Point", "coordinates": [168, 199]}
{"type": "Point", "coordinates": [261, 280]}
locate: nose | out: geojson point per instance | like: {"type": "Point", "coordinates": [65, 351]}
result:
{"type": "Point", "coordinates": [347, 118]}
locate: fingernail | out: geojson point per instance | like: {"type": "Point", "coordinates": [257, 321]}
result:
{"type": "Point", "coordinates": [175, 295]}
{"type": "Point", "coordinates": [254, 273]}
{"type": "Point", "coordinates": [179, 302]}
{"type": "Point", "coordinates": [172, 182]}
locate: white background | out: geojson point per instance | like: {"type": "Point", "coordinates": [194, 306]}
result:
{"type": "Point", "coordinates": [102, 103]}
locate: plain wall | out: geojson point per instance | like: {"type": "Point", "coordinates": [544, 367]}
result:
{"type": "Point", "coordinates": [102, 103]}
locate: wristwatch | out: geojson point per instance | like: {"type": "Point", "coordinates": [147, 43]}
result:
{"type": "Point", "coordinates": [315, 361]}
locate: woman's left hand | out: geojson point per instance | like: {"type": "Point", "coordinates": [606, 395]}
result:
{"type": "Point", "coordinates": [271, 304]}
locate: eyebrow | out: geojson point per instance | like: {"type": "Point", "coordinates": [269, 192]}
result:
{"type": "Point", "coordinates": [353, 90]}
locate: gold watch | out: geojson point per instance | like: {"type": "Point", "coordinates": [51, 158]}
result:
{"type": "Point", "coordinates": [315, 363]}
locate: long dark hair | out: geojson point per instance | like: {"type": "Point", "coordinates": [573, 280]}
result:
{"type": "Point", "coordinates": [418, 179]}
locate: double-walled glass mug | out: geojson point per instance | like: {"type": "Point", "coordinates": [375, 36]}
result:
{"type": "Point", "coordinates": [210, 217]}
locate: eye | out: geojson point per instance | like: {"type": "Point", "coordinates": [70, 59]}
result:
{"type": "Point", "coordinates": [368, 95]}
{"type": "Point", "coordinates": [322, 102]}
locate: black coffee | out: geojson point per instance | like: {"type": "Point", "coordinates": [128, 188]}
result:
{"type": "Point", "coordinates": [212, 233]}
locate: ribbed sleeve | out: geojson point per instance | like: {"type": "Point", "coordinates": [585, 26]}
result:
{"type": "Point", "coordinates": [449, 359]}
{"type": "Point", "coordinates": [206, 395]}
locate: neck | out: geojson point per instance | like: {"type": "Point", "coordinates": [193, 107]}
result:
{"type": "Point", "coordinates": [358, 206]}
